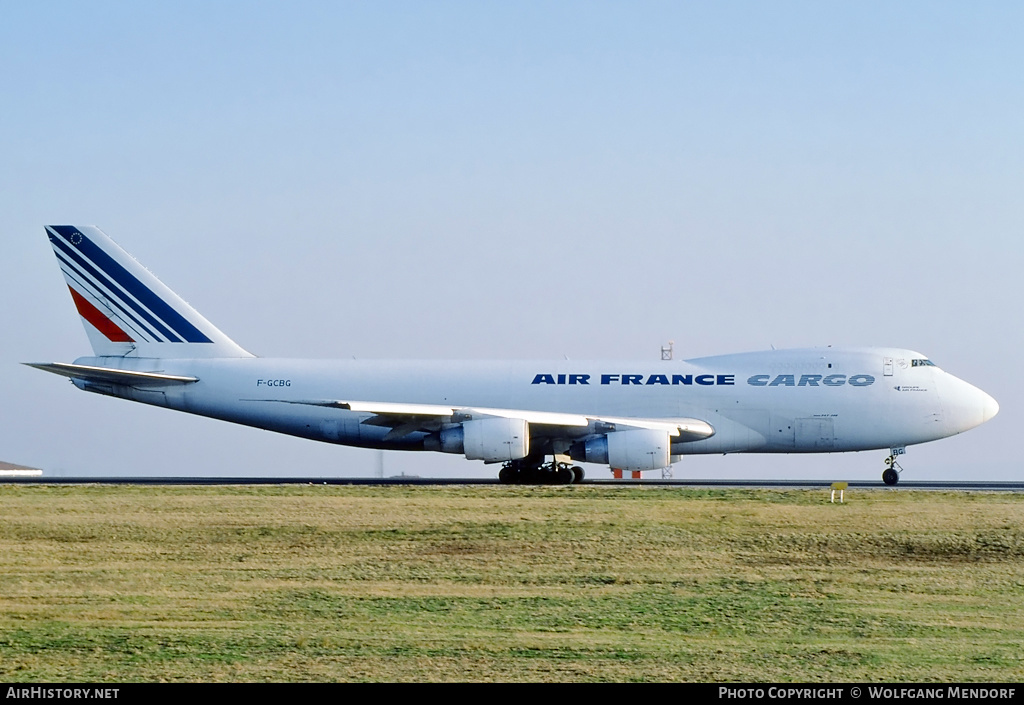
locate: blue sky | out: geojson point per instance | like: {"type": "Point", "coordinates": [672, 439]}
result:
{"type": "Point", "coordinates": [515, 180]}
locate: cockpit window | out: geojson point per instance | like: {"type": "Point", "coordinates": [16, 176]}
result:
{"type": "Point", "coordinates": [922, 363]}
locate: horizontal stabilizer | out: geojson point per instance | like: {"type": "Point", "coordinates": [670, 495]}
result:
{"type": "Point", "coordinates": [107, 375]}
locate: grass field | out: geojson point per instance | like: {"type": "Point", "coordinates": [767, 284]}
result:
{"type": "Point", "coordinates": [336, 583]}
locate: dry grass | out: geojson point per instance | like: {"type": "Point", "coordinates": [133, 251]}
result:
{"type": "Point", "coordinates": [318, 583]}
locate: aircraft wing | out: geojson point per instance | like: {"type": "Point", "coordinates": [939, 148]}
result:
{"type": "Point", "coordinates": [106, 375]}
{"type": "Point", "coordinates": [404, 419]}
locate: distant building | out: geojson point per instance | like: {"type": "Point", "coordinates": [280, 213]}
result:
{"type": "Point", "coordinates": [12, 470]}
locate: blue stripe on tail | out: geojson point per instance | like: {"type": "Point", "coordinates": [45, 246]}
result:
{"type": "Point", "coordinates": [113, 293]}
{"type": "Point", "coordinates": [95, 283]}
{"type": "Point", "coordinates": [94, 254]}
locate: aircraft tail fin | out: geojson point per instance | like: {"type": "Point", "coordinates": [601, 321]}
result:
{"type": "Point", "coordinates": [125, 309]}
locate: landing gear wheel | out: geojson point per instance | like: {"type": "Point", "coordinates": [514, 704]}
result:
{"type": "Point", "coordinates": [534, 472]}
{"type": "Point", "coordinates": [531, 476]}
{"type": "Point", "coordinates": [891, 475]}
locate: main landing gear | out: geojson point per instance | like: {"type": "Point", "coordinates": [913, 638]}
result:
{"type": "Point", "coordinates": [525, 472]}
{"type": "Point", "coordinates": [891, 475]}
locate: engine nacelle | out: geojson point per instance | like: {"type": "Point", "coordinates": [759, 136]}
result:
{"type": "Point", "coordinates": [638, 449]}
{"type": "Point", "coordinates": [490, 440]}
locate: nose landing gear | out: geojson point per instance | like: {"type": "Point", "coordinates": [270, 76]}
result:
{"type": "Point", "coordinates": [891, 475]}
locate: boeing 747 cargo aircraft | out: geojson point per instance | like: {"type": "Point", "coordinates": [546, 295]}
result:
{"type": "Point", "coordinates": [150, 346]}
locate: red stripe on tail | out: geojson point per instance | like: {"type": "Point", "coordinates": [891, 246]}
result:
{"type": "Point", "coordinates": [99, 321]}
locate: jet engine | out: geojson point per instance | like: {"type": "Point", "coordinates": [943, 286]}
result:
{"type": "Point", "coordinates": [491, 440]}
{"type": "Point", "coordinates": [636, 449]}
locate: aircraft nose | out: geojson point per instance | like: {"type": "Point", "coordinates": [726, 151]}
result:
{"type": "Point", "coordinates": [966, 405]}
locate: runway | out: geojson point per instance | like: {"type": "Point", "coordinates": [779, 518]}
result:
{"type": "Point", "coordinates": [973, 486]}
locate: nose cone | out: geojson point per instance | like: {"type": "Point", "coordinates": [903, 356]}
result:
{"type": "Point", "coordinates": [966, 406]}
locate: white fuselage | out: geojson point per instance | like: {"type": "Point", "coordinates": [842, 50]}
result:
{"type": "Point", "coordinates": [810, 400]}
